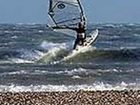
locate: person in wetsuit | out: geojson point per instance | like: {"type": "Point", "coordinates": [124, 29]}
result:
{"type": "Point", "coordinates": [81, 36]}
{"type": "Point", "coordinates": [80, 30]}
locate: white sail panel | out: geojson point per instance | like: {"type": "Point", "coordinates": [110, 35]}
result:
{"type": "Point", "coordinates": [65, 12]}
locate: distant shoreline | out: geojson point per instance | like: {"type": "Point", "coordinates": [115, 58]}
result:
{"type": "Point", "coordinates": [81, 97]}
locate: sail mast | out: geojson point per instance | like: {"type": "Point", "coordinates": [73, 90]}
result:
{"type": "Point", "coordinates": [81, 8]}
{"type": "Point", "coordinates": [50, 2]}
{"type": "Point", "coordinates": [83, 18]}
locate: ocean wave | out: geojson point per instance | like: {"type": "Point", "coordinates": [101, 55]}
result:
{"type": "Point", "coordinates": [50, 45]}
{"type": "Point", "coordinates": [14, 72]}
{"type": "Point", "coordinates": [44, 72]}
{"type": "Point", "coordinates": [19, 61]}
{"type": "Point", "coordinates": [75, 53]}
{"type": "Point", "coordinates": [103, 55]}
{"type": "Point", "coordinates": [27, 72]}
{"type": "Point", "coordinates": [26, 56]}
{"type": "Point", "coordinates": [55, 52]}
{"type": "Point", "coordinates": [73, 72]}
{"type": "Point", "coordinates": [60, 54]}
{"type": "Point", "coordinates": [100, 86]}
{"type": "Point", "coordinates": [48, 52]}
{"type": "Point", "coordinates": [115, 42]}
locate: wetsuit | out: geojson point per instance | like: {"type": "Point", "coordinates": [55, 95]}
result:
{"type": "Point", "coordinates": [80, 37]}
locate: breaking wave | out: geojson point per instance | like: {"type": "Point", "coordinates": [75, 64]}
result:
{"type": "Point", "coordinates": [60, 53]}
{"type": "Point", "coordinates": [100, 86]}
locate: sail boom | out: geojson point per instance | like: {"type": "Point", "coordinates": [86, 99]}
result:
{"type": "Point", "coordinates": [68, 20]}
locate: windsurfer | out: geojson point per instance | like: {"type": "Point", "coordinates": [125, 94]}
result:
{"type": "Point", "coordinates": [81, 36]}
{"type": "Point", "coordinates": [80, 30]}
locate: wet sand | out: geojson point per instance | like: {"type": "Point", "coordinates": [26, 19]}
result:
{"type": "Point", "coordinates": [71, 98]}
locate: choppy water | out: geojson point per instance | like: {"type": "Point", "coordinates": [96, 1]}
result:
{"type": "Point", "coordinates": [34, 58]}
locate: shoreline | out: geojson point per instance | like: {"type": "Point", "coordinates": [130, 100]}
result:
{"type": "Point", "coordinates": [113, 97]}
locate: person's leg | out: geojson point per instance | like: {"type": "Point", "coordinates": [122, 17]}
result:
{"type": "Point", "coordinates": [82, 39]}
{"type": "Point", "coordinates": [75, 44]}
{"type": "Point", "coordinates": [79, 41]}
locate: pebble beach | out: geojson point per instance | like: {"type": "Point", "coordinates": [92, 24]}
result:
{"type": "Point", "coordinates": [124, 97]}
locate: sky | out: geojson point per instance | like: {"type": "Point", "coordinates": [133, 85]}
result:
{"type": "Point", "coordinates": [97, 11]}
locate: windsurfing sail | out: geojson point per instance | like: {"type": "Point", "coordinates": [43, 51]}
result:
{"type": "Point", "coordinates": [66, 13]}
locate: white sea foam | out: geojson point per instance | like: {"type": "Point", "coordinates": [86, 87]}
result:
{"type": "Point", "coordinates": [75, 71]}
{"type": "Point", "coordinates": [24, 72]}
{"type": "Point", "coordinates": [14, 37]}
{"type": "Point", "coordinates": [50, 55]}
{"type": "Point", "coordinates": [53, 49]}
{"type": "Point", "coordinates": [70, 72]}
{"type": "Point", "coordinates": [14, 72]}
{"type": "Point", "coordinates": [110, 70]}
{"type": "Point", "coordinates": [7, 31]}
{"type": "Point", "coordinates": [40, 31]}
{"type": "Point", "coordinates": [66, 72]}
{"type": "Point", "coordinates": [111, 25]}
{"type": "Point", "coordinates": [49, 88]}
{"type": "Point", "coordinates": [40, 72]}
{"type": "Point", "coordinates": [49, 45]}
{"type": "Point", "coordinates": [18, 60]}
{"type": "Point", "coordinates": [31, 56]}
{"type": "Point", "coordinates": [76, 77]}
{"type": "Point", "coordinates": [27, 56]}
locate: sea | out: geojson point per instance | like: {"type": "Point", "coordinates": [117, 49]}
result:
{"type": "Point", "coordinates": [36, 59]}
